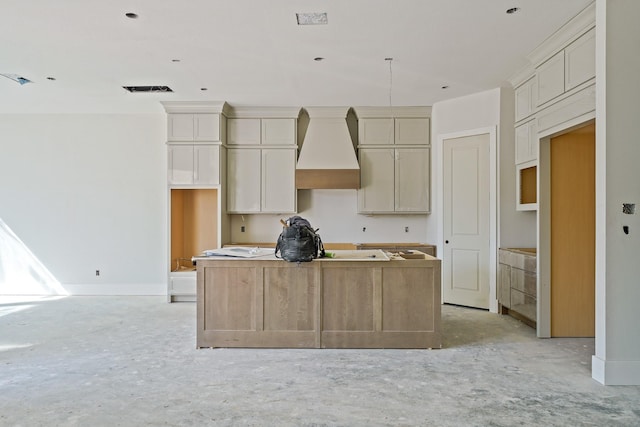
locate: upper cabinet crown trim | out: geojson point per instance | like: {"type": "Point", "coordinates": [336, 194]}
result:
{"type": "Point", "coordinates": [569, 32]}
{"type": "Point", "coordinates": [219, 107]}
{"type": "Point", "coordinates": [263, 112]}
{"type": "Point", "coordinates": [391, 112]}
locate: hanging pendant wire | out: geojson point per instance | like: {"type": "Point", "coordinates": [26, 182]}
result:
{"type": "Point", "coordinates": [390, 61]}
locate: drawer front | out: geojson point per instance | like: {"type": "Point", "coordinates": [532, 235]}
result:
{"type": "Point", "coordinates": [523, 281]}
{"type": "Point", "coordinates": [504, 257]}
{"type": "Point", "coordinates": [183, 285]}
{"type": "Point", "coordinates": [523, 262]}
{"type": "Point", "coordinates": [523, 304]}
{"type": "Point", "coordinates": [504, 285]}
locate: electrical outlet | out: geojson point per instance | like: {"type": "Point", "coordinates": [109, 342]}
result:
{"type": "Point", "coordinates": [364, 229]}
{"type": "Point", "coordinates": [242, 228]}
{"type": "Point", "coordinates": [97, 272]}
{"type": "Point", "coordinates": [406, 229]}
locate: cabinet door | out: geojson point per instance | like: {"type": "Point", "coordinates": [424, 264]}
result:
{"type": "Point", "coordinates": [550, 78]}
{"type": "Point", "coordinates": [526, 142]}
{"type": "Point", "coordinates": [376, 131]}
{"type": "Point", "coordinates": [525, 99]}
{"type": "Point", "coordinates": [376, 193]}
{"type": "Point", "coordinates": [278, 132]}
{"type": "Point", "coordinates": [207, 165]}
{"type": "Point", "coordinates": [278, 180]}
{"type": "Point", "coordinates": [412, 131]}
{"type": "Point", "coordinates": [206, 127]}
{"type": "Point", "coordinates": [580, 60]}
{"type": "Point", "coordinates": [180, 170]}
{"type": "Point", "coordinates": [243, 180]}
{"type": "Point", "coordinates": [180, 127]}
{"type": "Point", "coordinates": [243, 131]}
{"type": "Point", "coordinates": [412, 174]}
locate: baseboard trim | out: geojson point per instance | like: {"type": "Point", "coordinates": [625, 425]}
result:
{"type": "Point", "coordinates": [116, 289]}
{"type": "Point", "coordinates": [615, 372]}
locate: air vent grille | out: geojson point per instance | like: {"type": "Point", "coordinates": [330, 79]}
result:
{"type": "Point", "coordinates": [147, 89]}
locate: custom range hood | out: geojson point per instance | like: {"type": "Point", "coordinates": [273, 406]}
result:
{"type": "Point", "coordinates": [327, 157]}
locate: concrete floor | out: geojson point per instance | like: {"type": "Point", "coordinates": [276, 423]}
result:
{"type": "Point", "coordinates": [131, 361]}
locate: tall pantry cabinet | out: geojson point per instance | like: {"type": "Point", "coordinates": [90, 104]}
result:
{"type": "Point", "coordinates": [196, 154]}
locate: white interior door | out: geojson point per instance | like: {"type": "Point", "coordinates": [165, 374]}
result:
{"type": "Point", "coordinates": [466, 222]}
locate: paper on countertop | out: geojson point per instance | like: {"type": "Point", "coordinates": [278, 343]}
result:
{"type": "Point", "coordinates": [239, 252]}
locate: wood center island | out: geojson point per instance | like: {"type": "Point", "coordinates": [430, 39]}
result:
{"type": "Point", "coordinates": [326, 303]}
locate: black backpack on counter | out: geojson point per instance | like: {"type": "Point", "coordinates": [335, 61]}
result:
{"type": "Point", "coordinates": [299, 242]}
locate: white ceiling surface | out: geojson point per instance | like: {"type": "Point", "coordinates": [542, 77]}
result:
{"type": "Point", "coordinates": [252, 52]}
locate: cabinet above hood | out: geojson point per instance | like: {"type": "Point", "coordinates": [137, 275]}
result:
{"type": "Point", "coordinates": [327, 157]}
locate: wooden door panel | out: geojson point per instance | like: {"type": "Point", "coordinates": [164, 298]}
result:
{"type": "Point", "coordinates": [573, 234]}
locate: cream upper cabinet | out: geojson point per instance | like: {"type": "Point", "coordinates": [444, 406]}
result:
{"type": "Point", "coordinates": [412, 131]}
{"type": "Point", "coordinates": [377, 180]}
{"type": "Point", "coordinates": [398, 131]}
{"type": "Point", "coordinates": [266, 131]}
{"type": "Point", "coordinates": [550, 78]}
{"type": "Point", "coordinates": [394, 157]}
{"type": "Point", "coordinates": [412, 173]}
{"type": "Point", "coordinates": [526, 99]}
{"type": "Point", "coordinates": [526, 142]}
{"type": "Point", "coordinates": [278, 131]}
{"type": "Point", "coordinates": [243, 180]}
{"type": "Point", "coordinates": [394, 180]}
{"type": "Point", "coordinates": [193, 127]}
{"type": "Point", "coordinates": [580, 60]}
{"type": "Point", "coordinates": [244, 131]}
{"type": "Point", "coordinates": [194, 164]}
{"type": "Point", "coordinates": [567, 69]}
{"type": "Point", "coordinates": [261, 180]}
{"type": "Point", "coordinates": [278, 181]}
{"type": "Point", "coordinates": [376, 131]}
{"type": "Point", "coordinates": [261, 160]}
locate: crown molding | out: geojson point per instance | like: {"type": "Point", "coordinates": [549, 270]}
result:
{"type": "Point", "coordinates": [219, 107]}
{"type": "Point", "coordinates": [263, 112]}
{"type": "Point", "coordinates": [522, 76]}
{"type": "Point", "coordinates": [386, 112]}
{"type": "Point", "coordinates": [569, 32]}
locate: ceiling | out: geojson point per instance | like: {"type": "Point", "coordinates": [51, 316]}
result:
{"type": "Point", "coordinates": [252, 52]}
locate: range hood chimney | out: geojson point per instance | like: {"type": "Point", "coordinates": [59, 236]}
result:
{"type": "Point", "coordinates": [327, 157]}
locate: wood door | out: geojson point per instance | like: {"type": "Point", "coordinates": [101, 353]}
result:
{"type": "Point", "coordinates": [466, 269]}
{"type": "Point", "coordinates": [573, 234]}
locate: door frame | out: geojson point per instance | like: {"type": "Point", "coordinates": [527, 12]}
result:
{"type": "Point", "coordinates": [493, 202]}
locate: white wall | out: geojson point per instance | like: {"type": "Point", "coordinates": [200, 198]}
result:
{"type": "Point", "coordinates": [617, 358]}
{"type": "Point", "coordinates": [86, 192]}
{"type": "Point", "coordinates": [334, 212]}
{"type": "Point", "coordinates": [492, 108]}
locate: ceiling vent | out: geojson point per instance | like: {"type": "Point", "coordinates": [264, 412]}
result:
{"type": "Point", "coordinates": [148, 89]}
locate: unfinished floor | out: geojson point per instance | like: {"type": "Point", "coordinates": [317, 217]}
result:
{"type": "Point", "coordinates": [132, 361]}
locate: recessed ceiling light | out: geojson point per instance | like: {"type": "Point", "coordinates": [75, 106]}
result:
{"type": "Point", "coordinates": [175, 60]}
{"type": "Point", "coordinates": [131, 15]}
{"type": "Point", "coordinates": [318, 58]}
{"type": "Point", "coordinates": [513, 10]}
{"type": "Point", "coordinates": [445, 87]}
{"type": "Point", "coordinates": [203, 88]}
{"type": "Point", "coordinates": [313, 18]}
{"type": "Point", "coordinates": [51, 78]}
